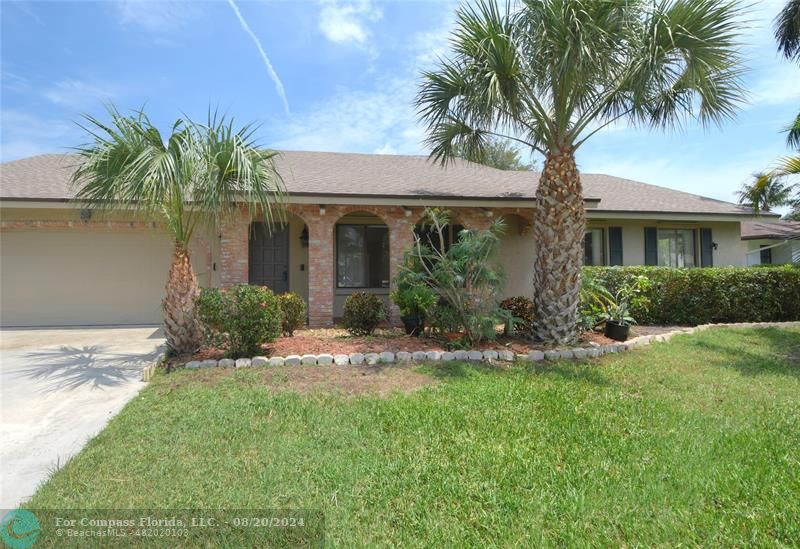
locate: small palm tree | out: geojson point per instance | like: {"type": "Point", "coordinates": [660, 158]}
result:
{"type": "Point", "coordinates": [549, 74]}
{"type": "Point", "coordinates": [200, 174]}
{"type": "Point", "coordinates": [765, 192]}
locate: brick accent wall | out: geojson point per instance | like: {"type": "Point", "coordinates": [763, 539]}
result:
{"type": "Point", "coordinates": [321, 221]}
{"type": "Point", "coordinates": [234, 251]}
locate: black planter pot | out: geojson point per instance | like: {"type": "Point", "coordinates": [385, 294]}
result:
{"type": "Point", "coordinates": [414, 324]}
{"type": "Point", "coordinates": [617, 331]}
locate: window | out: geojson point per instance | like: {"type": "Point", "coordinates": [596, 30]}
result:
{"type": "Point", "coordinates": [593, 247]}
{"type": "Point", "coordinates": [766, 255]}
{"type": "Point", "coordinates": [430, 236]}
{"type": "Point", "coordinates": [676, 247]}
{"type": "Point", "coordinates": [362, 256]}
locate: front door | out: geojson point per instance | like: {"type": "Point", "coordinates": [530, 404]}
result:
{"type": "Point", "coordinates": [269, 257]}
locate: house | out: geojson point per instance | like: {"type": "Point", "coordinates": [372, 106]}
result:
{"type": "Point", "coordinates": [772, 242]}
{"type": "Point", "coordinates": [350, 218]}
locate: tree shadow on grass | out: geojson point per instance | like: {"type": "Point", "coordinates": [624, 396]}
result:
{"type": "Point", "coordinates": [69, 368]}
{"type": "Point", "coordinates": [773, 351]}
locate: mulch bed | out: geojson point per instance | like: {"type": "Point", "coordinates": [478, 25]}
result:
{"type": "Point", "coordinates": [338, 341]}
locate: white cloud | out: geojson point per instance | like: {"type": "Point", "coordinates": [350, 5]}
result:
{"type": "Point", "coordinates": [24, 134]}
{"type": "Point", "coordinates": [154, 15]}
{"type": "Point", "coordinates": [386, 149]}
{"type": "Point", "coordinates": [347, 22]}
{"type": "Point", "coordinates": [358, 121]}
{"type": "Point", "coordinates": [781, 85]}
{"type": "Point", "coordinates": [78, 94]}
{"type": "Point", "coordinates": [270, 71]}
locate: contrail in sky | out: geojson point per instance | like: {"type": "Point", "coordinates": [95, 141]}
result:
{"type": "Point", "coordinates": [270, 70]}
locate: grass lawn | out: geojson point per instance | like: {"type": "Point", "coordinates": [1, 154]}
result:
{"type": "Point", "coordinates": [696, 441]}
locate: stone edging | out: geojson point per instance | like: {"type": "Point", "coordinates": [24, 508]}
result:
{"type": "Point", "coordinates": [386, 357]}
{"type": "Point", "coordinates": [150, 369]}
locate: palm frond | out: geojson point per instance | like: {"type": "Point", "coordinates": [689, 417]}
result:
{"type": "Point", "coordinates": [202, 173]}
{"type": "Point", "coordinates": [787, 30]}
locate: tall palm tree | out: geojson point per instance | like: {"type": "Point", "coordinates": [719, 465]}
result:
{"type": "Point", "coordinates": [787, 30]}
{"type": "Point", "coordinates": [200, 174]}
{"type": "Point", "coordinates": [549, 74]}
{"type": "Point", "coordinates": [765, 192]}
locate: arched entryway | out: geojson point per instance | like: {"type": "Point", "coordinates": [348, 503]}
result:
{"type": "Point", "coordinates": [278, 256]}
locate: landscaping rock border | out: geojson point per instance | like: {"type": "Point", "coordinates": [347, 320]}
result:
{"type": "Point", "coordinates": [592, 351]}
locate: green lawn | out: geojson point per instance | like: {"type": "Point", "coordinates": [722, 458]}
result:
{"type": "Point", "coordinates": [696, 441]}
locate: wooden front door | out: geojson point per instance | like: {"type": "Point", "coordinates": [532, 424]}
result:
{"type": "Point", "coordinates": [269, 257]}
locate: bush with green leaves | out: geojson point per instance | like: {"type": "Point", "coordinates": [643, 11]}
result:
{"type": "Point", "coordinates": [411, 294]}
{"type": "Point", "coordinates": [465, 275]}
{"type": "Point", "coordinates": [293, 312]}
{"type": "Point", "coordinates": [629, 295]}
{"type": "Point", "coordinates": [363, 312]}
{"type": "Point", "coordinates": [595, 300]}
{"type": "Point", "coordinates": [709, 295]}
{"type": "Point", "coordinates": [239, 319]}
{"type": "Point", "coordinates": [520, 308]}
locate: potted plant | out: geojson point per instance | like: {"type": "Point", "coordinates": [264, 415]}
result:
{"type": "Point", "coordinates": [617, 310]}
{"type": "Point", "coordinates": [413, 300]}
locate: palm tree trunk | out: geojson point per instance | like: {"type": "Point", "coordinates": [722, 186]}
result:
{"type": "Point", "coordinates": [559, 224]}
{"type": "Point", "coordinates": [181, 326]}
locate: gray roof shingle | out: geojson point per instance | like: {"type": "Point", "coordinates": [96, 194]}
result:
{"type": "Point", "coordinates": [771, 230]}
{"type": "Point", "coordinates": [47, 177]}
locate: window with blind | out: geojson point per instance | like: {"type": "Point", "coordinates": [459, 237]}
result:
{"type": "Point", "coordinates": [362, 256]}
{"type": "Point", "coordinates": [676, 248]}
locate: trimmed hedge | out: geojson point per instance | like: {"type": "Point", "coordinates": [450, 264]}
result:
{"type": "Point", "coordinates": [711, 295]}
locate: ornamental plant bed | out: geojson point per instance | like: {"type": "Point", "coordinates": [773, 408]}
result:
{"type": "Point", "coordinates": [338, 341]}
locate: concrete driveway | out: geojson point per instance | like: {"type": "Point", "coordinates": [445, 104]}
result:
{"type": "Point", "coordinates": [58, 388]}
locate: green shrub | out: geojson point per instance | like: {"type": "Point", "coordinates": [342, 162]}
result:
{"type": "Point", "coordinates": [521, 310]}
{"type": "Point", "coordinates": [293, 312]}
{"type": "Point", "coordinates": [466, 275]}
{"type": "Point", "coordinates": [413, 299]}
{"type": "Point", "coordinates": [239, 319]}
{"type": "Point", "coordinates": [362, 313]}
{"type": "Point", "coordinates": [709, 295]}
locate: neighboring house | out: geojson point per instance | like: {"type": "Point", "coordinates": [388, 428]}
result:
{"type": "Point", "coordinates": [351, 217]}
{"type": "Point", "coordinates": [772, 242]}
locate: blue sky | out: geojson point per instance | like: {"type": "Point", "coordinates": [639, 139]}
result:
{"type": "Point", "coordinates": [348, 70]}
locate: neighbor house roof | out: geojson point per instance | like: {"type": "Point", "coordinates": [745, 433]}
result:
{"type": "Point", "coordinates": [771, 230]}
{"type": "Point", "coordinates": [47, 177]}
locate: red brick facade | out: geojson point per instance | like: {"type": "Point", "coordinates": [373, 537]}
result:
{"type": "Point", "coordinates": [321, 221]}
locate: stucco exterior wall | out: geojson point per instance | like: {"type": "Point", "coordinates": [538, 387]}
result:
{"type": "Point", "coordinates": [730, 249]}
{"type": "Point", "coordinates": [58, 270]}
{"type": "Point", "coordinates": [782, 252]}
{"type": "Point", "coordinates": [98, 257]}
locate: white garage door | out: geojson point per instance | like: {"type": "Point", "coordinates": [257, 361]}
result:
{"type": "Point", "coordinates": [82, 277]}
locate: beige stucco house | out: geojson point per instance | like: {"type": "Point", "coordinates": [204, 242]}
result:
{"type": "Point", "coordinates": [350, 218]}
{"type": "Point", "coordinates": [771, 242]}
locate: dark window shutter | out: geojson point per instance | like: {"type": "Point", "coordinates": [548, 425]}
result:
{"type": "Point", "coordinates": [650, 246]}
{"type": "Point", "coordinates": [587, 248]}
{"type": "Point", "coordinates": [615, 245]}
{"type": "Point", "coordinates": [706, 248]}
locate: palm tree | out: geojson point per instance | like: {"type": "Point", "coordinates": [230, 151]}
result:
{"type": "Point", "coordinates": [767, 191]}
{"type": "Point", "coordinates": [201, 174]}
{"type": "Point", "coordinates": [552, 73]}
{"type": "Point", "coordinates": [787, 30]}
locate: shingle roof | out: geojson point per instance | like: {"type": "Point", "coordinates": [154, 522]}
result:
{"type": "Point", "coordinates": [46, 177]}
{"type": "Point", "coordinates": [772, 230]}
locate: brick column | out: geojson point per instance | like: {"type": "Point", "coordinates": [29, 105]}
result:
{"type": "Point", "coordinates": [320, 269]}
{"type": "Point", "coordinates": [234, 252]}
{"type": "Point", "coordinates": [401, 238]}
